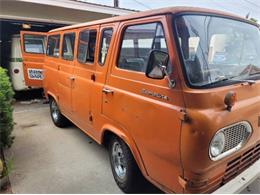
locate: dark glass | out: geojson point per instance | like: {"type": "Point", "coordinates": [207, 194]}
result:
{"type": "Point", "coordinates": [53, 45]}
{"type": "Point", "coordinates": [104, 46]}
{"type": "Point", "coordinates": [138, 41]}
{"type": "Point", "coordinates": [68, 46]}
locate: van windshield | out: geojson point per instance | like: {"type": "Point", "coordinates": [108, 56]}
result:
{"type": "Point", "coordinates": [218, 51]}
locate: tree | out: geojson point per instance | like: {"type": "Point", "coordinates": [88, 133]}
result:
{"type": "Point", "coordinates": [6, 111]}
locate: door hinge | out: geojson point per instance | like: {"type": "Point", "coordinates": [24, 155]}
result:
{"type": "Point", "coordinates": [183, 115]}
{"type": "Point", "coordinates": [93, 77]}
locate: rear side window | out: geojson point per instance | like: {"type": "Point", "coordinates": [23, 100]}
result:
{"type": "Point", "coordinates": [68, 46]}
{"type": "Point", "coordinates": [104, 45]}
{"type": "Point", "coordinates": [87, 46]}
{"type": "Point", "coordinates": [137, 43]}
{"type": "Point", "coordinates": [34, 44]}
{"type": "Point", "coordinates": [53, 45]}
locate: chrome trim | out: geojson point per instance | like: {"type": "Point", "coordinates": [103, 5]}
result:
{"type": "Point", "coordinates": [231, 151]}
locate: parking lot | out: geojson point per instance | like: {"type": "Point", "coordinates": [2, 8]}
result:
{"type": "Point", "coordinates": [48, 159]}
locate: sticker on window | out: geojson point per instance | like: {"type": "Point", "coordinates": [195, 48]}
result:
{"type": "Point", "coordinates": [35, 74]}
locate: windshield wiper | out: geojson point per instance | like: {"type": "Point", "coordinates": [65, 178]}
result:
{"type": "Point", "coordinates": [250, 82]}
{"type": "Point", "coordinates": [223, 78]}
{"type": "Point", "coordinates": [254, 73]}
{"type": "Point", "coordinates": [219, 80]}
{"type": "Point", "coordinates": [249, 70]}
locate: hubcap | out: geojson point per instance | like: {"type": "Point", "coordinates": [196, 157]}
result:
{"type": "Point", "coordinates": [54, 110]}
{"type": "Point", "coordinates": [119, 162]}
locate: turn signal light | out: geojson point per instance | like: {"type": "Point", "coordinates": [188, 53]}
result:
{"type": "Point", "coordinates": [230, 99]}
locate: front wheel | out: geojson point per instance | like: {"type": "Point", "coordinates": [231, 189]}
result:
{"type": "Point", "coordinates": [124, 168]}
{"type": "Point", "coordinates": [58, 119]}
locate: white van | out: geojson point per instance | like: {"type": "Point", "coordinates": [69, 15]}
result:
{"type": "Point", "coordinates": [16, 65]}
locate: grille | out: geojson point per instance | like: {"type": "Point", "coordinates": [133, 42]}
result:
{"type": "Point", "coordinates": [242, 162]}
{"type": "Point", "coordinates": [233, 168]}
{"type": "Point", "coordinates": [236, 135]}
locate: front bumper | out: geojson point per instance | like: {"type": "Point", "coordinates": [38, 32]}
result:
{"type": "Point", "coordinates": [241, 181]}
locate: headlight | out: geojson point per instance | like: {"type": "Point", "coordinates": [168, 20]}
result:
{"type": "Point", "coordinates": [217, 144]}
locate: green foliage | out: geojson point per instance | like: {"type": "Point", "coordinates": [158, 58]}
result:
{"type": "Point", "coordinates": [1, 167]}
{"type": "Point", "coordinates": [6, 111]}
{"type": "Point", "coordinates": [8, 168]}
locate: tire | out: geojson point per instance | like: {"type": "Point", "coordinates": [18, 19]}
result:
{"type": "Point", "coordinates": [58, 119]}
{"type": "Point", "coordinates": [124, 168]}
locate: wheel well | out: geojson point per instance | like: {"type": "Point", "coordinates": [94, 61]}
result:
{"type": "Point", "coordinates": [49, 96]}
{"type": "Point", "coordinates": [107, 137]}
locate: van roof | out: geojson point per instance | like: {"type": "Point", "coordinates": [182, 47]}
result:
{"type": "Point", "coordinates": [162, 11]}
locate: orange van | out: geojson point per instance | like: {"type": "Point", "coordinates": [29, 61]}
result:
{"type": "Point", "coordinates": [173, 93]}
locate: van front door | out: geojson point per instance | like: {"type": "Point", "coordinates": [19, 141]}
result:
{"type": "Point", "coordinates": [147, 108]}
{"type": "Point", "coordinates": [33, 51]}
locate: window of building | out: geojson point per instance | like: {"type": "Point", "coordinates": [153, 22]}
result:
{"type": "Point", "coordinates": [138, 41]}
{"type": "Point", "coordinates": [34, 44]}
{"type": "Point", "coordinates": [53, 45]}
{"type": "Point", "coordinates": [68, 46]}
{"type": "Point", "coordinates": [87, 46]}
{"type": "Point", "coordinates": [104, 46]}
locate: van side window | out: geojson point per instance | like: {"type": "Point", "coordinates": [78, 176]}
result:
{"type": "Point", "coordinates": [34, 44]}
{"type": "Point", "coordinates": [87, 46]}
{"type": "Point", "coordinates": [68, 46]}
{"type": "Point", "coordinates": [137, 43]}
{"type": "Point", "coordinates": [104, 45]}
{"type": "Point", "coordinates": [53, 45]}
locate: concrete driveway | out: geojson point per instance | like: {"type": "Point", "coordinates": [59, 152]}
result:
{"type": "Point", "coordinates": [48, 159]}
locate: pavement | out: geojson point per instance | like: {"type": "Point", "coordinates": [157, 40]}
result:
{"type": "Point", "coordinates": [47, 159]}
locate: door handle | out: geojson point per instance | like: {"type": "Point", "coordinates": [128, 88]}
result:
{"type": "Point", "coordinates": [72, 78]}
{"type": "Point", "coordinates": [107, 91]}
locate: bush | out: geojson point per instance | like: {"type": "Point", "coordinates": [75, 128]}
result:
{"type": "Point", "coordinates": [6, 111]}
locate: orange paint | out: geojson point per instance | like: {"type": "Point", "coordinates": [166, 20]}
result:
{"type": "Point", "coordinates": [169, 137]}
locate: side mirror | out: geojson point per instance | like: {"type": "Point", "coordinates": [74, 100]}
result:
{"type": "Point", "coordinates": [157, 64]}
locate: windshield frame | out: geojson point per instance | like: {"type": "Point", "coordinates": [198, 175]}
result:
{"type": "Point", "coordinates": [180, 54]}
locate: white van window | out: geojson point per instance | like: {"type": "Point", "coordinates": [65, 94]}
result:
{"type": "Point", "coordinates": [137, 43]}
{"type": "Point", "coordinates": [68, 46]}
{"type": "Point", "coordinates": [34, 44]}
{"type": "Point", "coordinates": [53, 45]}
